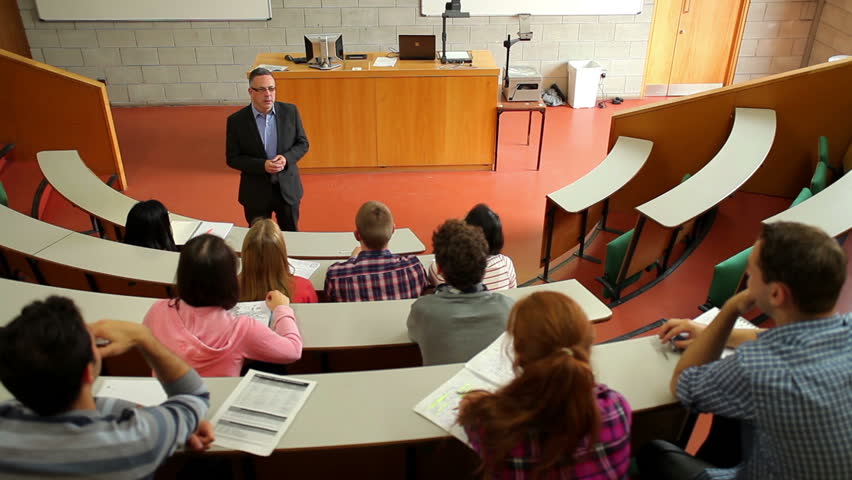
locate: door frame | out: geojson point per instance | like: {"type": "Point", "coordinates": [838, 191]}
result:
{"type": "Point", "coordinates": [661, 48]}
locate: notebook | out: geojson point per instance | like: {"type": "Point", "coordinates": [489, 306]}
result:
{"type": "Point", "coordinates": [417, 47]}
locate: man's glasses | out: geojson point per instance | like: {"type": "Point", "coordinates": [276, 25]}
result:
{"type": "Point", "coordinates": [263, 89]}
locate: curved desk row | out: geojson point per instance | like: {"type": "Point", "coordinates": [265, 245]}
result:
{"type": "Point", "coordinates": [71, 178]}
{"type": "Point", "coordinates": [828, 209]}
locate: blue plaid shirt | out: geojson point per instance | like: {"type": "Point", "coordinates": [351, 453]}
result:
{"type": "Point", "coordinates": [793, 388]}
{"type": "Point", "coordinates": [375, 275]}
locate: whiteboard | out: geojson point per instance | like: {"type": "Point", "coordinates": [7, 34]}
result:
{"type": "Point", "coordinates": [537, 7]}
{"type": "Point", "coordinates": [149, 10]}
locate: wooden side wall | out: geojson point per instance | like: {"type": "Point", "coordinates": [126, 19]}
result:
{"type": "Point", "coordinates": [689, 131]}
{"type": "Point", "coordinates": [47, 108]}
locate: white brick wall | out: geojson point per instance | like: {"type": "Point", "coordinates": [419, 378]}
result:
{"type": "Point", "coordinates": [205, 62]}
{"type": "Point", "coordinates": [834, 31]}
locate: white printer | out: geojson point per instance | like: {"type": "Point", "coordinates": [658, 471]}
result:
{"type": "Point", "coordinates": [524, 85]}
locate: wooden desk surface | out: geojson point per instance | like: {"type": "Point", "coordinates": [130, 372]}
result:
{"type": "Point", "coordinates": [828, 210]}
{"type": "Point", "coordinates": [65, 170]}
{"type": "Point", "coordinates": [25, 234]}
{"type": "Point", "coordinates": [483, 65]}
{"type": "Point", "coordinates": [377, 407]}
{"type": "Point", "coordinates": [747, 146]}
{"type": "Point", "coordinates": [626, 158]}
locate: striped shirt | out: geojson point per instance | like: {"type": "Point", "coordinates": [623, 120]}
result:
{"type": "Point", "coordinates": [499, 273]}
{"type": "Point", "coordinates": [375, 275]}
{"type": "Point", "coordinates": [791, 387]}
{"type": "Point", "coordinates": [117, 441]}
{"type": "Point", "coordinates": [608, 459]}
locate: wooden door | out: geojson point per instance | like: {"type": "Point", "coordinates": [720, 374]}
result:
{"type": "Point", "coordinates": [694, 45]}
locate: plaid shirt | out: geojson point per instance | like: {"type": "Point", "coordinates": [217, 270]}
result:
{"type": "Point", "coordinates": [792, 387]}
{"type": "Point", "coordinates": [608, 459]}
{"type": "Point", "coordinates": [375, 275]}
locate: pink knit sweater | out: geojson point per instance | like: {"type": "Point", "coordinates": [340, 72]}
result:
{"type": "Point", "coordinates": [215, 343]}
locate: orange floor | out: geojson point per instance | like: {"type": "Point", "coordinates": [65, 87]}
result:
{"type": "Point", "coordinates": [176, 154]}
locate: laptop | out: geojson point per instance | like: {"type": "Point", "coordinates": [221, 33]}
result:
{"type": "Point", "coordinates": [417, 47]}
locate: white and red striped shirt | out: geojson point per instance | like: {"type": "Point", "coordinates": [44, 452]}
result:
{"type": "Point", "coordinates": [499, 273]}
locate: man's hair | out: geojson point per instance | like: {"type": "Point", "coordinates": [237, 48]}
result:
{"type": "Point", "coordinates": [258, 72]}
{"type": "Point", "coordinates": [207, 273]}
{"type": "Point", "coordinates": [483, 217]}
{"type": "Point", "coordinates": [462, 253]}
{"type": "Point", "coordinates": [374, 223]}
{"type": "Point", "coordinates": [43, 354]}
{"type": "Point", "coordinates": [807, 260]}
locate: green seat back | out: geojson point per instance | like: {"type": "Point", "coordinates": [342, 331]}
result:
{"type": "Point", "coordinates": [4, 199]}
{"type": "Point", "coordinates": [685, 177]}
{"type": "Point", "coordinates": [820, 178]}
{"type": "Point", "coordinates": [615, 253]}
{"type": "Point", "coordinates": [803, 195]}
{"type": "Point", "coordinates": [823, 151]}
{"type": "Point", "coordinates": [726, 278]}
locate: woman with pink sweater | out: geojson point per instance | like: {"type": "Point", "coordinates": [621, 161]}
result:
{"type": "Point", "coordinates": [197, 325]}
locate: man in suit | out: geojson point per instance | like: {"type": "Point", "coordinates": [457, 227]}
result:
{"type": "Point", "coordinates": [264, 142]}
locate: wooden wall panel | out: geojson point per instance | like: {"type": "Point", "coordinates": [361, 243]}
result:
{"type": "Point", "coordinates": [47, 108]}
{"type": "Point", "coordinates": [689, 131]}
{"type": "Point", "coordinates": [13, 37]}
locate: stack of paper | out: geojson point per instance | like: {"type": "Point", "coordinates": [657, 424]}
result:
{"type": "Point", "coordinates": [273, 68]}
{"type": "Point", "coordinates": [258, 412]}
{"type": "Point", "coordinates": [708, 316]}
{"type": "Point", "coordinates": [183, 231]}
{"type": "Point", "coordinates": [489, 370]}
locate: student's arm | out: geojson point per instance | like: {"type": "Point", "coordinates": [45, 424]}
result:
{"type": "Point", "coordinates": [676, 326]}
{"type": "Point", "coordinates": [123, 336]}
{"type": "Point", "coordinates": [708, 346]}
{"type": "Point", "coordinates": [281, 344]}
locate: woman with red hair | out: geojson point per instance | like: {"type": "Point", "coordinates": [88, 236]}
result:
{"type": "Point", "coordinates": [553, 421]}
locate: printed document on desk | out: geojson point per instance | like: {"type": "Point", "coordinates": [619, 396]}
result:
{"type": "Point", "coordinates": [259, 411]}
{"type": "Point", "coordinates": [384, 62]}
{"type": "Point", "coordinates": [708, 316]}
{"type": "Point", "coordinates": [256, 310]}
{"type": "Point", "coordinates": [489, 370]}
{"type": "Point", "coordinates": [183, 231]}
{"type": "Point", "coordinates": [302, 268]}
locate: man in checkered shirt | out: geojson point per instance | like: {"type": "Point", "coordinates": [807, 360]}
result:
{"type": "Point", "coordinates": [791, 387]}
{"type": "Point", "coordinates": [373, 272]}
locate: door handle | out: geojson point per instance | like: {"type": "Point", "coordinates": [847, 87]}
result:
{"type": "Point", "coordinates": [686, 5]}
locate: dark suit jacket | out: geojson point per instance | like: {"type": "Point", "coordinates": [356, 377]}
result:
{"type": "Point", "coordinates": [244, 151]}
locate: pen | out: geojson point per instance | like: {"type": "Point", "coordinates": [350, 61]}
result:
{"type": "Point", "coordinates": [209, 231]}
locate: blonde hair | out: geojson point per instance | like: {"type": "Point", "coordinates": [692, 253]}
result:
{"type": "Point", "coordinates": [265, 265]}
{"type": "Point", "coordinates": [375, 224]}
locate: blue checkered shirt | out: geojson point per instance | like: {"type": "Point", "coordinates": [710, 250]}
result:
{"type": "Point", "coordinates": [793, 388]}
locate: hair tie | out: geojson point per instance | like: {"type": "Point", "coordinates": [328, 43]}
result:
{"type": "Point", "coordinates": [568, 351]}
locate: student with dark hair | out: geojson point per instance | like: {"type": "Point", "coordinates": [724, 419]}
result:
{"type": "Point", "coordinates": [553, 420]}
{"type": "Point", "coordinates": [462, 317]}
{"type": "Point", "coordinates": [788, 386]}
{"type": "Point", "coordinates": [373, 272]}
{"type": "Point", "coordinates": [500, 271]}
{"type": "Point", "coordinates": [266, 267]}
{"type": "Point", "coordinates": [56, 428]}
{"type": "Point", "coordinates": [198, 326]}
{"type": "Point", "coordinates": [148, 226]}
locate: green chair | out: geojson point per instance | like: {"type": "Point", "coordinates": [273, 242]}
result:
{"type": "Point", "coordinates": [823, 151]}
{"type": "Point", "coordinates": [803, 195]}
{"type": "Point", "coordinates": [726, 278]}
{"type": "Point", "coordinates": [820, 179]}
{"type": "Point", "coordinates": [615, 253]}
{"type": "Point", "coordinates": [4, 199]}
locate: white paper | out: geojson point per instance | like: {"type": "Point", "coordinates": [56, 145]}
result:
{"type": "Point", "coordinates": [494, 363]}
{"type": "Point", "coordinates": [141, 391]}
{"type": "Point", "coordinates": [302, 268]}
{"type": "Point", "coordinates": [259, 411]}
{"type": "Point", "coordinates": [220, 229]}
{"type": "Point", "coordinates": [182, 230]}
{"type": "Point", "coordinates": [256, 310]}
{"type": "Point", "coordinates": [458, 56]}
{"type": "Point", "coordinates": [708, 316]}
{"type": "Point", "coordinates": [273, 68]}
{"type": "Point", "coordinates": [384, 62]}
{"type": "Point", "coordinates": [441, 406]}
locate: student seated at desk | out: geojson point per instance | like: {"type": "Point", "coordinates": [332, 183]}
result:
{"type": "Point", "coordinates": [500, 271]}
{"type": "Point", "coordinates": [462, 317]}
{"type": "Point", "coordinates": [56, 428]}
{"type": "Point", "coordinates": [373, 272]}
{"type": "Point", "coordinates": [265, 266]}
{"type": "Point", "coordinates": [553, 420]}
{"type": "Point", "coordinates": [198, 326]}
{"type": "Point", "coordinates": [148, 226]}
{"type": "Point", "coordinates": [789, 387]}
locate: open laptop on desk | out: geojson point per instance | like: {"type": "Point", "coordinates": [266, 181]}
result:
{"type": "Point", "coordinates": [417, 47]}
